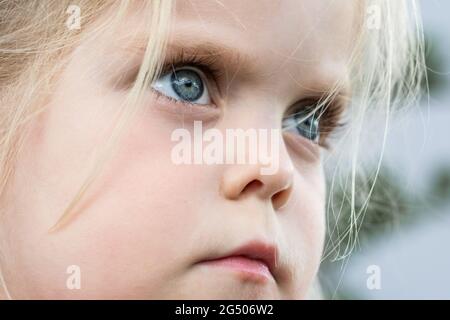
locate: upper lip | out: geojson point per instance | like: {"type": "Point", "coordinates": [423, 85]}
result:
{"type": "Point", "coordinates": [257, 250]}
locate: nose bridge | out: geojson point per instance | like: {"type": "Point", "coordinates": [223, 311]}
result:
{"type": "Point", "coordinates": [270, 177]}
{"type": "Point", "coordinates": [267, 171]}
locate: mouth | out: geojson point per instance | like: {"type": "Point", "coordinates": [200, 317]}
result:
{"type": "Point", "coordinates": [255, 260]}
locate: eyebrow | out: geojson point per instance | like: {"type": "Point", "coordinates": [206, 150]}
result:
{"type": "Point", "coordinates": [234, 61]}
{"type": "Point", "coordinates": [230, 60]}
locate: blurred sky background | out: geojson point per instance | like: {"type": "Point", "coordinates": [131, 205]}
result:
{"type": "Point", "coordinates": [411, 247]}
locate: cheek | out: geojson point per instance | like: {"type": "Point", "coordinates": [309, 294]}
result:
{"type": "Point", "coordinates": [304, 226]}
{"type": "Point", "coordinates": [134, 221]}
{"type": "Point", "coordinates": [142, 217]}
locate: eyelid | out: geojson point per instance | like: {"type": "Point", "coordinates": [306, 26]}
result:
{"type": "Point", "coordinates": [208, 64]}
{"type": "Point", "coordinates": [303, 105]}
{"type": "Point", "coordinates": [184, 109]}
{"type": "Point", "coordinates": [308, 149]}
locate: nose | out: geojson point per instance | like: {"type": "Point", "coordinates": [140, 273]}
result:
{"type": "Point", "coordinates": [239, 180]}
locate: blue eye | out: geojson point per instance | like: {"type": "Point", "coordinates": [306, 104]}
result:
{"type": "Point", "coordinates": [185, 84]}
{"type": "Point", "coordinates": [304, 123]}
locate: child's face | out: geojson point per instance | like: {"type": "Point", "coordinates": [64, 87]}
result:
{"type": "Point", "coordinates": [147, 224]}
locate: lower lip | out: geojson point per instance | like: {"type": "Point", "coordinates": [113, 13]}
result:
{"type": "Point", "coordinates": [249, 268]}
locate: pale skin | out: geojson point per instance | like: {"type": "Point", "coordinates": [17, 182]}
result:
{"type": "Point", "coordinates": [147, 222]}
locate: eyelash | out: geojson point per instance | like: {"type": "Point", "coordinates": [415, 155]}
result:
{"type": "Point", "coordinates": [329, 114]}
{"type": "Point", "coordinates": [206, 63]}
{"type": "Point", "coordinates": [330, 117]}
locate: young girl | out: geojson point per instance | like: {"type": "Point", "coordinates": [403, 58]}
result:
{"type": "Point", "coordinates": [100, 100]}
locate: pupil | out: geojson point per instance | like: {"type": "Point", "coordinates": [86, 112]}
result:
{"type": "Point", "coordinates": [308, 128]}
{"type": "Point", "coordinates": [187, 84]}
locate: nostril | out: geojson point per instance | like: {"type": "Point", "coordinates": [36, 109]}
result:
{"type": "Point", "coordinates": [252, 186]}
{"type": "Point", "coordinates": [280, 198]}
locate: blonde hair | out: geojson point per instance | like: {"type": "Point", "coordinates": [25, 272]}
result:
{"type": "Point", "coordinates": [33, 50]}
{"type": "Point", "coordinates": [35, 42]}
{"type": "Point", "coordinates": [388, 74]}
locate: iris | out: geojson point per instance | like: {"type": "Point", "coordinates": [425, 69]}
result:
{"type": "Point", "coordinates": [187, 84]}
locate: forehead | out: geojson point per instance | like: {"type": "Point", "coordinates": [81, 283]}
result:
{"type": "Point", "coordinates": [280, 20]}
{"type": "Point", "coordinates": [307, 36]}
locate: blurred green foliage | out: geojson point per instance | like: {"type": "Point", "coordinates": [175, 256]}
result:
{"type": "Point", "coordinates": [434, 60]}
{"type": "Point", "coordinates": [392, 204]}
